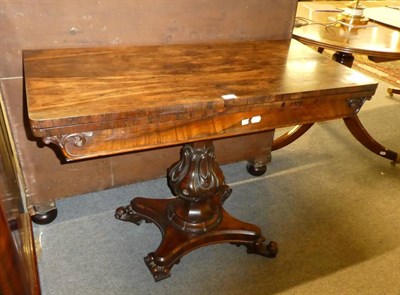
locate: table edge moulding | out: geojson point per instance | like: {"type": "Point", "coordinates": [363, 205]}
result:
{"type": "Point", "coordinates": [93, 102]}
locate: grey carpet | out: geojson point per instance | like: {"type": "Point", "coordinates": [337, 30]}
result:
{"type": "Point", "coordinates": [332, 206]}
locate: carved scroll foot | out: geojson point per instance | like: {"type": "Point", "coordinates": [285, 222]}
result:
{"type": "Point", "coordinates": [159, 272]}
{"type": "Point", "coordinates": [127, 214]}
{"type": "Point", "coordinates": [259, 247]}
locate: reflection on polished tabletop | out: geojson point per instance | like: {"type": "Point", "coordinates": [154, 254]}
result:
{"type": "Point", "coordinates": [135, 98]}
{"type": "Point", "coordinates": [102, 101]}
{"type": "Point", "coordinates": [374, 40]}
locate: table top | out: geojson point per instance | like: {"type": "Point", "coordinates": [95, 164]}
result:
{"type": "Point", "coordinates": [377, 40]}
{"type": "Point", "coordinates": [164, 95]}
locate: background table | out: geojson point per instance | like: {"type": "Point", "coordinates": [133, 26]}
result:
{"type": "Point", "coordinates": [379, 42]}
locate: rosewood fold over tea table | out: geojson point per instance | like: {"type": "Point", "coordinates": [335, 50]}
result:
{"type": "Point", "coordinates": [94, 102]}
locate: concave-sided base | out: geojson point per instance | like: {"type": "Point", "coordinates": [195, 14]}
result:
{"type": "Point", "coordinates": [195, 217]}
{"type": "Point", "coordinates": [176, 242]}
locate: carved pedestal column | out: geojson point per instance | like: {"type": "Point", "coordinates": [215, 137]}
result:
{"type": "Point", "coordinates": [195, 216]}
{"type": "Point", "coordinates": [200, 187]}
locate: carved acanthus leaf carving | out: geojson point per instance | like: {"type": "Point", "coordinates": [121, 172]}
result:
{"type": "Point", "coordinates": [196, 175]}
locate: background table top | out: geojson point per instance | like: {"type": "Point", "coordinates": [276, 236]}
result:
{"type": "Point", "coordinates": [378, 40]}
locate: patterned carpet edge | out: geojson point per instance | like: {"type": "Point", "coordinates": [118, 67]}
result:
{"type": "Point", "coordinates": [388, 71]}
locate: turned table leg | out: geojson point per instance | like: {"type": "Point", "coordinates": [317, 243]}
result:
{"type": "Point", "coordinates": [194, 217]}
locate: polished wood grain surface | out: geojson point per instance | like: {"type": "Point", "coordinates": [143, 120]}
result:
{"type": "Point", "coordinates": [132, 98]}
{"type": "Point", "coordinates": [93, 102]}
{"type": "Point", "coordinates": [378, 40]}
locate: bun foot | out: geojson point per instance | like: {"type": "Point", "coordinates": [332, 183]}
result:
{"type": "Point", "coordinates": [256, 170]}
{"type": "Point", "coordinates": [44, 213]}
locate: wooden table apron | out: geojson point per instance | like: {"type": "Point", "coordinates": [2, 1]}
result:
{"type": "Point", "coordinates": [102, 101]}
{"type": "Point", "coordinates": [378, 42]}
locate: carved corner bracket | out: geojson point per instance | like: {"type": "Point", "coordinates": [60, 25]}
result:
{"type": "Point", "coordinates": [64, 141]}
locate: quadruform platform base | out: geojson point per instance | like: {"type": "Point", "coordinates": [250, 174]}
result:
{"type": "Point", "coordinates": [176, 242]}
{"type": "Point", "coordinates": [194, 217]}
